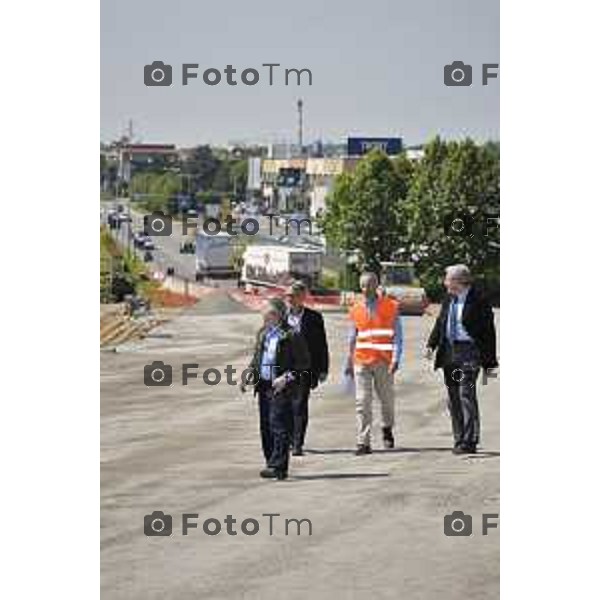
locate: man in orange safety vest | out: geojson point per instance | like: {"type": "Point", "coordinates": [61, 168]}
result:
{"type": "Point", "coordinates": [374, 353]}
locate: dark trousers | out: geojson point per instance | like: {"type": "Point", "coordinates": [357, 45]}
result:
{"type": "Point", "coordinates": [461, 369]}
{"type": "Point", "coordinates": [276, 425]}
{"type": "Point", "coordinates": [300, 409]}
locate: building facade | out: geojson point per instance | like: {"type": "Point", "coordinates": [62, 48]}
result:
{"type": "Point", "coordinates": [301, 184]}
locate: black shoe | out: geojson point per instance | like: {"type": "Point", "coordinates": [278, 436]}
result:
{"type": "Point", "coordinates": [297, 452]}
{"type": "Point", "coordinates": [388, 437]}
{"type": "Point", "coordinates": [363, 449]}
{"type": "Point", "coordinates": [465, 449]}
{"type": "Point", "coordinates": [270, 473]}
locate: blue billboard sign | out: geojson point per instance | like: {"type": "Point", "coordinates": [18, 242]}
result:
{"type": "Point", "coordinates": [357, 146]}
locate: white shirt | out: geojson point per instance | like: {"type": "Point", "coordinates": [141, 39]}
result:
{"type": "Point", "coordinates": [294, 320]}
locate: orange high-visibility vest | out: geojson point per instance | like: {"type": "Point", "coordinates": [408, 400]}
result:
{"type": "Point", "coordinates": [375, 332]}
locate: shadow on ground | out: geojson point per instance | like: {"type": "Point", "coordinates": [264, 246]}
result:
{"type": "Point", "coordinates": [401, 450]}
{"type": "Point", "coordinates": [338, 476]}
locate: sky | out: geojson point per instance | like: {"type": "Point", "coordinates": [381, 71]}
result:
{"type": "Point", "coordinates": [377, 69]}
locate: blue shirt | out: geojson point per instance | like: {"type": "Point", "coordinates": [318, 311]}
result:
{"type": "Point", "coordinates": [269, 352]}
{"type": "Point", "coordinates": [371, 304]}
{"type": "Point", "coordinates": [461, 332]}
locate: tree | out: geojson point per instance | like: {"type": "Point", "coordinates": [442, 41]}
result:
{"type": "Point", "coordinates": [239, 176]}
{"type": "Point", "coordinates": [450, 212]}
{"type": "Point", "coordinates": [364, 210]}
{"type": "Point", "coordinates": [203, 166]}
{"type": "Point", "coordinates": [155, 189]}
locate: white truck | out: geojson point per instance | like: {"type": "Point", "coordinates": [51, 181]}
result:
{"type": "Point", "coordinates": [217, 256]}
{"type": "Point", "coordinates": [279, 266]}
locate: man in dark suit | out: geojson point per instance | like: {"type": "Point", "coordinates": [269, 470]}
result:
{"type": "Point", "coordinates": [308, 323]}
{"type": "Point", "coordinates": [464, 336]}
{"type": "Point", "coordinates": [279, 365]}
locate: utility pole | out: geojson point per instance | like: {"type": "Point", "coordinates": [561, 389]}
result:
{"type": "Point", "coordinates": [300, 143]}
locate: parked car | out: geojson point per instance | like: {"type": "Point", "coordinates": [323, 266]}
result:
{"type": "Point", "coordinates": [398, 280]}
{"type": "Point", "coordinates": [139, 239]}
{"type": "Point", "coordinates": [187, 247]}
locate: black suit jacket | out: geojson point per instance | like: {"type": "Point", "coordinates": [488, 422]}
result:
{"type": "Point", "coordinates": [291, 355]}
{"type": "Point", "coordinates": [477, 319]}
{"type": "Point", "coordinates": [312, 328]}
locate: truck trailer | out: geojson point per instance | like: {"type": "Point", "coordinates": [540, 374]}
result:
{"type": "Point", "coordinates": [217, 256]}
{"type": "Point", "coordinates": [279, 266]}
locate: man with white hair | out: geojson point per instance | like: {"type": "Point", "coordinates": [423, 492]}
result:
{"type": "Point", "coordinates": [279, 362]}
{"type": "Point", "coordinates": [375, 351]}
{"type": "Point", "coordinates": [464, 336]}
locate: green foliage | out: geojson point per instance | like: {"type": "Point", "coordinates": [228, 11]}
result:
{"type": "Point", "coordinates": [208, 198]}
{"type": "Point", "coordinates": [155, 189]}
{"type": "Point", "coordinates": [386, 205]}
{"type": "Point", "coordinates": [455, 180]}
{"type": "Point", "coordinates": [331, 280]}
{"type": "Point", "coordinates": [364, 210]}
{"type": "Point", "coordinates": [203, 166]}
{"type": "Point", "coordinates": [203, 173]}
{"type": "Point", "coordinates": [121, 272]}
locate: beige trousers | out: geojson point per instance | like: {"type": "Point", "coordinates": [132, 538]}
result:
{"type": "Point", "coordinates": [367, 378]}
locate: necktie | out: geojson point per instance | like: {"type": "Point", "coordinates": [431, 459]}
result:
{"type": "Point", "coordinates": [453, 320]}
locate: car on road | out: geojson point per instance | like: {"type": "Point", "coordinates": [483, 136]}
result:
{"type": "Point", "coordinates": [398, 280]}
{"type": "Point", "coordinates": [187, 247]}
{"type": "Point", "coordinates": [295, 223]}
{"type": "Point", "coordinates": [251, 210]}
{"type": "Point", "coordinates": [139, 238]}
{"type": "Point", "coordinates": [149, 244]}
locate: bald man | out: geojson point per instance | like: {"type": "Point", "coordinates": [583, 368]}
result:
{"type": "Point", "coordinates": [375, 349]}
